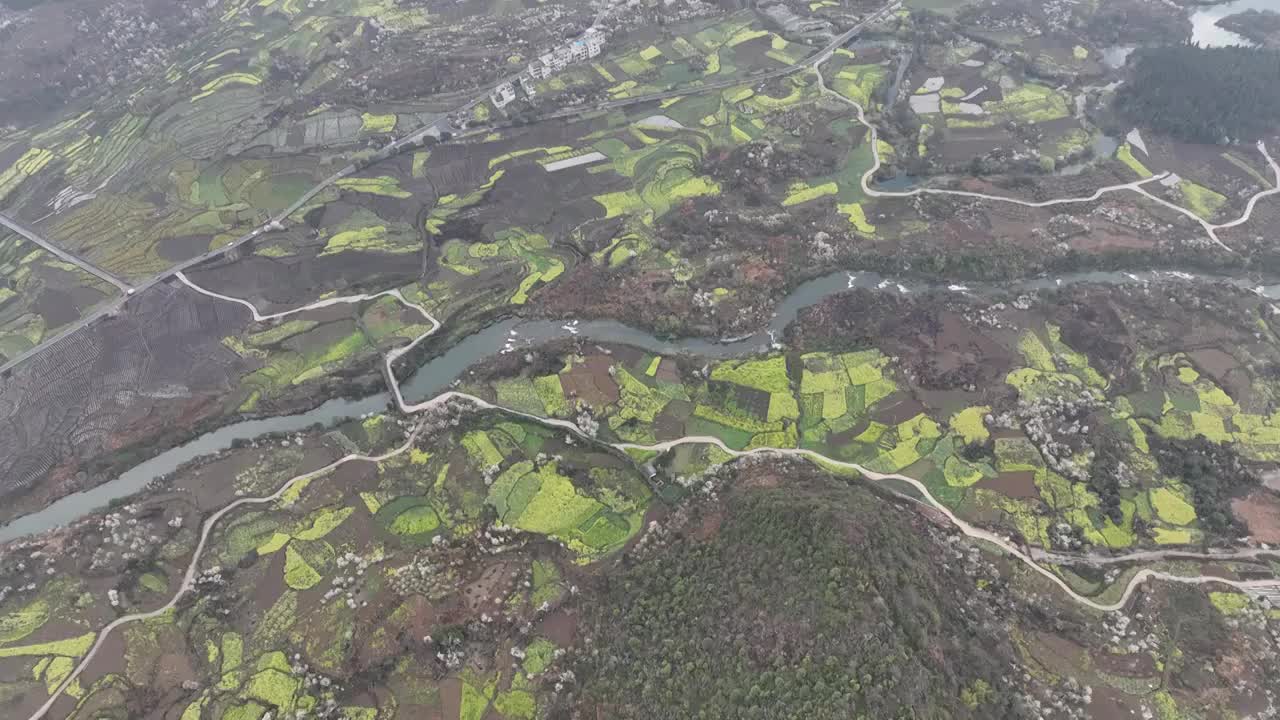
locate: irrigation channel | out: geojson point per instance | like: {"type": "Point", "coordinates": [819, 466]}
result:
{"type": "Point", "coordinates": [438, 373]}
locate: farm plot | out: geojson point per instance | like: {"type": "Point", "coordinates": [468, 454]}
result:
{"type": "Point", "coordinates": [40, 293]}
{"type": "Point", "coordinates": [512, 246]}
{"type": "Point", "coordinates": [685, 56]}
{"type": "Point", "coordinates": [849, 411]}
{"type": "Point", "coordinates": [495, 518]}
{"type": "Point", "coordinates": [1208, 181]}
{"type": "Point", "coordinates": [236, 128]}
{"type": "Point", "coordinates": [298, 352]}
{"type": "Point", "coordinates": [971, 106]}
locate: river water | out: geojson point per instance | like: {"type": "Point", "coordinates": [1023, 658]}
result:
{"type": "Point", "coordinates": [1204, 28]}
{"type": "Point", "coordinates": [437, 374]}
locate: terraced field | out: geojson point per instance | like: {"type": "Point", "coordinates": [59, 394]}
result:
{"type": "Point", "coordinates": [1064, 449]}
{"type": "Point", "coordinates": [1072, 486]}
{"type": "Point", "coordinates": [474, 537]}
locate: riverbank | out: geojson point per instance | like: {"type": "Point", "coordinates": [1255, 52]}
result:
{"type": "Point", "coordinates": [447, 363]}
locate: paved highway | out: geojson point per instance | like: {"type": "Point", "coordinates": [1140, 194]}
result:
{"type": "Point", "coordinates": [85, 265]}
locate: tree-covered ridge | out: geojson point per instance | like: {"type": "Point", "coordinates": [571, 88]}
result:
{"type": "Point", "coordinates": [1196, 94]}
{"type": "Point", "coordinates": [805, 602]}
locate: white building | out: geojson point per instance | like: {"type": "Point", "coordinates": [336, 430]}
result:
{"type": "Point", "coordinates": [526, 84]}
{"type": "Point", "coordinates": [503, 95]}
{"type": "Point", "coordinates": [595, 42]}
{"type": "Point", "coordinates": [590, 45]}
{"type": "Point", "coordinates": [539, 70]}
{"type": "Point", "coordinates": [561, 57]}
{"type": "Point", "coordinates": [552, 62]}
{"type": "Point", "coordinates": [587, 46]}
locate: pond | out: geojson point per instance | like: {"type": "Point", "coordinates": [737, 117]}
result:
{"type": "Point", "coordinates": [898, 183]}
{"type": "Point", "coordinates": [1116, 55]}
{"type": "Point", "coordinates": [1104, 146]}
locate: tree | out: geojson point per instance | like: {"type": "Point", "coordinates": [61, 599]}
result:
{"type": "Point", "coordinates": [1206, 95]}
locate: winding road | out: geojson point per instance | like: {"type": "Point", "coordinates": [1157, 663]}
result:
{"type": "Point", "coordinates": [964, 527]}
{"type": "Point", "coordinates": [814, 62]}
{"type": "Point", "coordinates": [388, 359]}
{"type": "Point", "coordinates": [1136, 186]}
{"type": "Point", "coordinates": [188, 579]}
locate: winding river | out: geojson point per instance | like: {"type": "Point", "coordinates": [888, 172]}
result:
{"type": "Point", "coordinates": [437, 374]}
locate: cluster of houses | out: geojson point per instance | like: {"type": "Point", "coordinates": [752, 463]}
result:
{"type": "Point", "coordinates": [589, 45]}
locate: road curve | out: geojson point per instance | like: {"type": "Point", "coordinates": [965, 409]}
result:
{"type": "Point", "coordinates": [1248, 208]}
{"type": "Point", "coordinates": [963, 526]}
{"type": "Point", "coordinates": [193, 567]}
{"type": "Point", "coordinates": [1136, 186]}
{"type": "Point", "coordinates": [388, 359]}
{"type": "Point", "coordinates": [330, 302]}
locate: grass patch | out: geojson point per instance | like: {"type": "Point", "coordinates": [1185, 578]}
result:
{"type": "Point", "coordinates": [968, 423]}
{"type": "Point", "coordinates": [857, 217]}
{"type": "Point", "coordinates": [298, 574]}
{"type": "Point", "coordinates": [416, 520]}
{"type": "Point", "coordinates": [1201, 200]}
{"type": "Point", "coordinates": [370, 239]}
{"type": "Point", "coordinates": [801, 192]}
{"type": "Point", "coordinates": [1125, 155]}
{"type": "Point", "coordinates": [383, 185]}
{"type": "Point", "coordinates": [371, 123]}
{"type": "Point", "coordinates": [70, 647]}
{"type": "Point", "coordinates": [21, 623]}
{"type": "Point", "coordinates": [1171, 507]}
{"type": "Point", "coordinates": [1229, 603]}
{"type": "Point", "coordinates": [769, 375]}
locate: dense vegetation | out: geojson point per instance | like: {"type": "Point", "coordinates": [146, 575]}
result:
{"type": "Point", "coordinates": [1208, 95]}
{"type": "Point", "coordinates": [1212, 470]}
{"type": "Point", "coordinates": [1105, 477]}
{"type": "Point", "coordinates": [1255, 25]}
{"type": "Point", "coordinates": [804, 604]}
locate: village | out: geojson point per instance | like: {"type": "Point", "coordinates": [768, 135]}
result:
{"type": "Point", "coordinates": [590, 45]}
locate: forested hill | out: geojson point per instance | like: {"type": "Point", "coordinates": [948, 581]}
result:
{"type": "Point", "coordinates": [1207, 95]}
{"type": "Point", "coordinates": [806, 602]}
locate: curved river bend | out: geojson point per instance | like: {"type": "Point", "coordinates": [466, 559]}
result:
{"type": "Point", "coordinates": [438, 373]}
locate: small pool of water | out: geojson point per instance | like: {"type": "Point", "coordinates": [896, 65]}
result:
{"type": "Point", "coordinates": [1104, 146]}
{"type": "Point", "coordinates": [897, 183]}
{"type": "Point", "coordinates": [1116, 55]}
